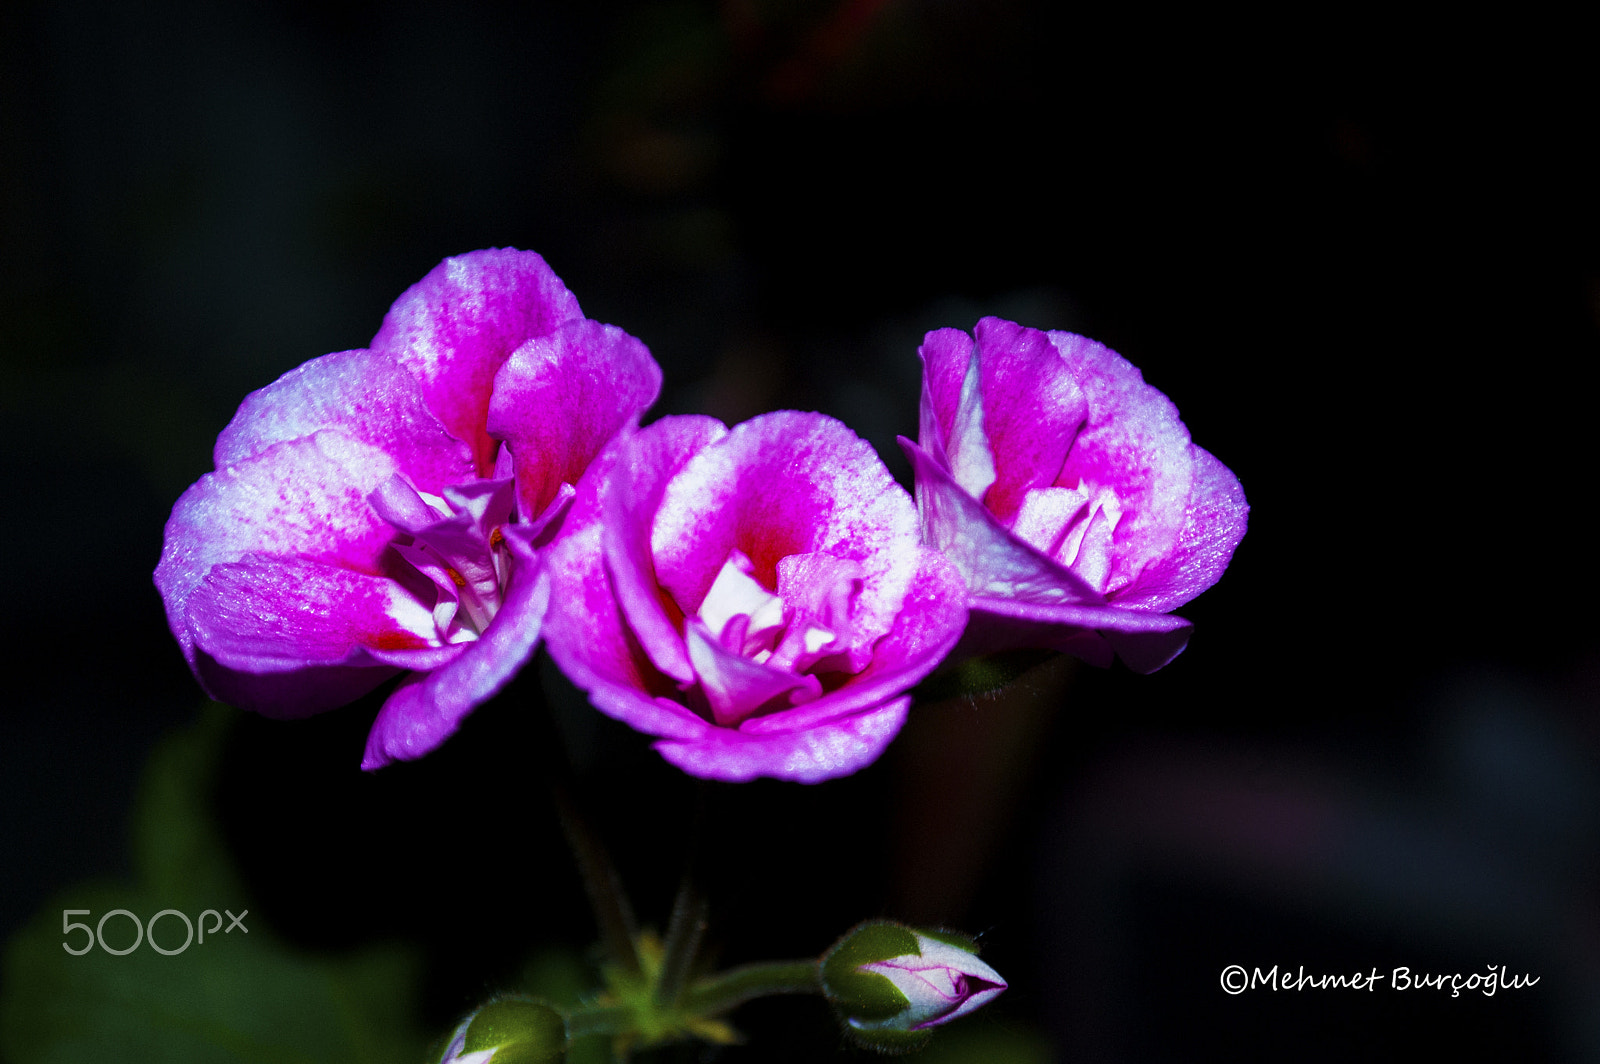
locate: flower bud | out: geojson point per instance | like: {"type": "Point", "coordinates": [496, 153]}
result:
{"type": "Point", "coordinates": [510, 1030]}
{"type": "Point", "coordinates": [891, 984]}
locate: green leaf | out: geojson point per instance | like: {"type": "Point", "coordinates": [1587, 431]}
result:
{"type": "Point", "coordinates": [241, 995]}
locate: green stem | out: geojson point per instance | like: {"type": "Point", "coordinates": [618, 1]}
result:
{"type": "Point", "coordinates": [687, 925]}
{"type": "Point", "coordinates": [690, 910]}
{"type": "Point", "coordinates": [723, 991]}
{"type": "Point", "coordinates": [612, 912]}
{"type": "Point", "coordinates": [611, 909]}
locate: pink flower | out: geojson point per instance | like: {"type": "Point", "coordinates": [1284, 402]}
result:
{"type": "Point", "coordinates": [364, 520]}
{"type": "Point", "coordinates": [757, 598]}
{"type": "Point", "coordinates": [1067, 492]}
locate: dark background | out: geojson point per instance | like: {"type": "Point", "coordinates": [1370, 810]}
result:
{"type": "Point", "coordinates": [1360, 255]}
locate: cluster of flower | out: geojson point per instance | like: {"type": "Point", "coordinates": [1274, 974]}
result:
{"type": "Point", "coordinates": [759, 598]}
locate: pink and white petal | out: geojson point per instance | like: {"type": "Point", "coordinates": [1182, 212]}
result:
{"type": "Point", "coordinates": [455, 328]}
{"type": "Point", "coordinates": [1134, 444]}
{"type": "Point", "coordinates": [549, 523]}
{"type": "Point", "coordinates": [1217, 515]}
{"type": "Point", "coordinates": [736, 686]}
{"type": "Point", "coordinates": [946, 355]}
{"type": "Point", "coordinates": [630, 488]}
{"type": "Point", "coordinates": [1047, 514]}
{"type": "Point", "coordinates": [974, 1001]}
{"type": "Point", "coordinates": [928, 627]}
{"type": "Point", "coordinates": [427, 708]}
{"type": "Point", "coordinates": [967, 445]}
{"type": "Point", "coordinates": [932, 952]}
{"type": "Point", "coordinates": [995, 563]}
{"type": "Point", "coordinates": [560, 398]}
{"type": "Point", "coordinates": [659, 716]}
{"type": "Point", "coordinates": [585, 630]}
{"type": "Point", "coordinates": [364, 395]}
{"type": "Point", "coordinates": [1032, 410]}
{"type": "Point", "coordinates": [288, 638]}
{"type": "Point", "coordinates": [268, 613]}
{"type": "Point", "coordinates": [780, 484]}
{"type": "Point", "coordinates": [825, 752]}
{"type": "Point", "coordinates": [816, 596]}
{"type": "Point", "coordinates": [304, 498]}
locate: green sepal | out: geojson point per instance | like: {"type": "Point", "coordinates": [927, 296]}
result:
{"type": "Point", "coordinates": [951, 938]}
{"type": "Point", "coordinates": [867, 996]}
{"type": "Point", "coordinates": [891, 1040]}
{"type": "Point", "coordinates": [528, 1053]}
{"type": "Point", "coordinates": [524, 1031]}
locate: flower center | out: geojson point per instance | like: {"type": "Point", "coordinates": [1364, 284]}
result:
{"type": "Point", "coordinates": [455, 545]}
{"type": "Point", "coordinates": [756, 651]}
{"type": "Point", "coordinates": [1075, 526]}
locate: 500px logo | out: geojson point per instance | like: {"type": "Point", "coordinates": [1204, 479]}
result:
{"type": "Point", "coordinates": [146, 931]}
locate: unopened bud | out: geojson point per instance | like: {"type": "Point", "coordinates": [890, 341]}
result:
{"type": "Point", "coordinates": [892, 984]}
{"type": "Point", "coordinates": [509, 1031]}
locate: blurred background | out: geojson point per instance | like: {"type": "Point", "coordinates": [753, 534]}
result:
{"type": "Point", "coordinates": [1360, 255]}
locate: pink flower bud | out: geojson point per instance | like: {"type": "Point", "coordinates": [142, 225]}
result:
{"type": "Point", "coordinates": [941, 982]}
{"type": "Point", "coordinates": [891, 984]}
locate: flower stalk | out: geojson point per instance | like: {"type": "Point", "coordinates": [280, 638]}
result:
{"type": "Point", "coordinates": [613, 914]}
{"type": "Point", "coordinates": [726, 990]}
{"type": "Point", "coordinates": [684, 931]}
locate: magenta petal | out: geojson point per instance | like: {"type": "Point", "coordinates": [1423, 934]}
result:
{"type": "Point", "coordinates": [632, 492]}
{"type": "Point", "coordinates": [995, 563]}
{"type": "Point", "coordinates": [736, 686]}
{"type": "Point", "coordinates": [1134, 444]}
{"type": "Point", "coordinates": [560, 398]}
{"type": "Point", "coordinates": [589, 638]}
{"type": "Point", "coordinates": [946, 354]}
{"type": "Point", "coordinates": [661, 515]}
{"type": "Point", "coordinates": [364, 395]}
{"type": "Point", "coordinates": [780, 484]}
{"type": "Point", "coordinates": [455, 328]}
{"type": "Point", "coordinates": [302, 498]}
{"type": "Point", "coordinates": [268, 613]}
{"type": "Point", "coordinates": [819, 592]}
{"type": "Point", "coordinates": [288, 637]}
{"type": "Point", "coordinates": [1217, 515]}
{"type": "Point", "coordinates": [586, 632]}
{"type": "Point", "coordinates": [427, 708]}
{"type": "Point", "coordinates": [823, 752]}
{"type": "Point", "coordinates": [659, 716]}
{"type": "Point", "coordinates": [928, 626]}
{"type": "Point", "coordinates": [1032, 410]}
{"type": "Point", "coordinates": [966, 450]}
